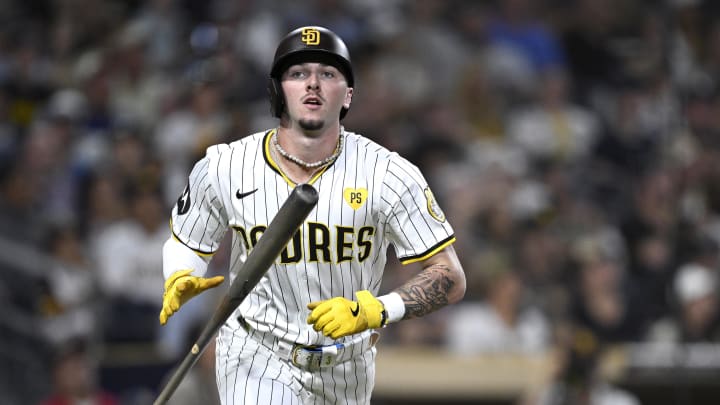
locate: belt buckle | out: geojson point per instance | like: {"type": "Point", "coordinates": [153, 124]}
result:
{"type": "Point", "coordinates": [314, 358]}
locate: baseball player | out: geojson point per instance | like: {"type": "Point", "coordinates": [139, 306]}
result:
{"type": "Point", "coordinates": [306, 333]}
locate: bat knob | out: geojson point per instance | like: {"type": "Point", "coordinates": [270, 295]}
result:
{"type": "Point", "coordinates": [306, 193]}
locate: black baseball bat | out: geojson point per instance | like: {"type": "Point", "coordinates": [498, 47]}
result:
{"type": "Point", "coordinates": [269, 246]}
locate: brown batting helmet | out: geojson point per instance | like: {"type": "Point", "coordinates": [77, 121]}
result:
{"type": "Point", "coordinates": [307, 44]}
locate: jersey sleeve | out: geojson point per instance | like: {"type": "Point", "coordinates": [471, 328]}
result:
{"type": "Point", "coordinates": [199, 219]}
{"type": "Point", "coordinates": [416, 225]}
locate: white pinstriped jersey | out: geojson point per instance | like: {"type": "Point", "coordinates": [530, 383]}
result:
{"type": "Point", "coordinates": [369, 198]}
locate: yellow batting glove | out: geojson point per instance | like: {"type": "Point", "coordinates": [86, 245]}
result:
{"type": "Point", "coordinates": [180, 287]}
{"type": "Point", "coordinates": [338, 317]}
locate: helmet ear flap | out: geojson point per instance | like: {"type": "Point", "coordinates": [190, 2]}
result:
{"type": "Point", "coordinates": [277, 98]}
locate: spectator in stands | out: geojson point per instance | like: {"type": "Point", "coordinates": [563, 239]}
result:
{"type": "Point", "coordinates": [18, 193]}
{"type": "Point", "coordinates": [651, 228]}
{"type": "Point", "coordinates": [184, 134]}
{"type": "Point", "coordinates": [499, 323]}
{"type": "Point", "coordinates": [554, 129]}
{"type": "Point", "coordinates": [138, 91]}
{"type": "Point", "coordinates": [74, 303]}
{"type": "Point", "coordinates": [102, 205]}
{"type": "Point", "coordinates": [479, 103]}
{"type": "Point", "coordinates": [129, 275]}
{"type": "Point", "coordinates": [578, 379]}
{"type": "Point", "coordinates": [542, 256]}
{"type": "Point", "coordinates": [75, 377]}
{"type": "Point", "coordinates": [696, 318]}
{"type": "Point", "coordinates": [602, 301]}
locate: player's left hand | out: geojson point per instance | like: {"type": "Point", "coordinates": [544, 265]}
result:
{"type": "Point", "coordinates": [180, 287]}
{"type": "Point", "coordinates": [339, 316]}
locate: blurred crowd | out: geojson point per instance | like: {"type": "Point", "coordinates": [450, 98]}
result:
{"type": "Point", "coordinates": [573, 144]}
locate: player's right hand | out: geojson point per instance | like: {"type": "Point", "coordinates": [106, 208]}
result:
{"type": "Point", "coordinates": [339, 316]}
{"type": "Point", "coordinates": [180, 287]}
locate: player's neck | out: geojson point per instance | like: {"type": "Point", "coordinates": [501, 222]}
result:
{"type": "Point", "coordinates": [301, 154]}
{"type": "Point", "coordinates": [308, 146]}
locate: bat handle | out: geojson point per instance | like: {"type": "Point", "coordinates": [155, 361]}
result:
{"type": "Point", "coordinates": [289, 217]}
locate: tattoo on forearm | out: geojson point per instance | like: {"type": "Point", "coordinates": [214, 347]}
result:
{"type": "Point", "coordinates": [426, 292]}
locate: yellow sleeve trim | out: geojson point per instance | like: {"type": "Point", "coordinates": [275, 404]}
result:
{"type": "Point", "coordinates": [430, 253]}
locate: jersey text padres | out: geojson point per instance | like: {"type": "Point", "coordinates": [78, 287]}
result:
{"type": "Point", "coordinates": [366, 204]}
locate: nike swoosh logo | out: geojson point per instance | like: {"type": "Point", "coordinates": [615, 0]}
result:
{"type": "Point", "coordinates": [240, 195]}
{"type": "Point", "coordinates": [355, 311]}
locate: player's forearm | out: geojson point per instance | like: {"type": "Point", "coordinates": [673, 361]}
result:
{"type": "Point", "coordinates": [440, 283]}
{"type": "Point", "coordinates": [429, 291]}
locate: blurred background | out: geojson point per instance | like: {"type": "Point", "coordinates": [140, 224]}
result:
{"type": "Point", "coordinates": [573, 144]}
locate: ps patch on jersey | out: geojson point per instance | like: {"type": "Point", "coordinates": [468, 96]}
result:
{"type": "Point", "coordinates": [355, 197]}
{"type": "Point", "coordinates": [183, 203]}
{"type": "Point", "coordinates": [433, 207]}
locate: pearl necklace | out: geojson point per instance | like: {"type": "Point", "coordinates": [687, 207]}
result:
{"type": "Point", "coordinates": [303, 163]}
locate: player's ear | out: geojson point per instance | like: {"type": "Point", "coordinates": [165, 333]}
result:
{"type": "Point", "coordinates": [348, 98]}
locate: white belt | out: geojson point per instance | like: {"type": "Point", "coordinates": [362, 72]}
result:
{"type": "Point", "coordinates": [313, 358]}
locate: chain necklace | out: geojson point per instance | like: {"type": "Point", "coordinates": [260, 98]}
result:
{"type": "Point", "coordinates": [302, 163]}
